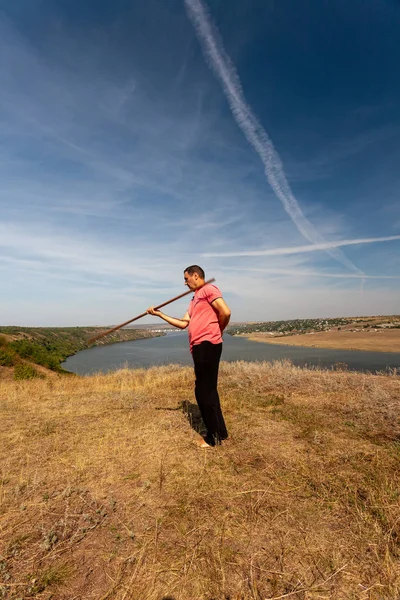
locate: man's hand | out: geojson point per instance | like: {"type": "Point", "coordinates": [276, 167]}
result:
{"type": "Point", "coordinates": [180, 323]}
{"type": "Point", "coordinates": [223, 311]}
{"type": "Point", "coordinates": [152, 311]}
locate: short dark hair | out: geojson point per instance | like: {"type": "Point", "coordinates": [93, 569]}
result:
{"type": "Point", "coordinates": [195, 269]}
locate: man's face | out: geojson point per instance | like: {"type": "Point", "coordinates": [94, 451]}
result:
{"type": "Point", "coordinates": [191, 280]}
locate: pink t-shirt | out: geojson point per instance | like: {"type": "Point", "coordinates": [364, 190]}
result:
{"type": "Point", "coordinates": [203, 324]}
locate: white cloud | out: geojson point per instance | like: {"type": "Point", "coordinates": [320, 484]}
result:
{"type": "Point", "coordinates": [309, 273]}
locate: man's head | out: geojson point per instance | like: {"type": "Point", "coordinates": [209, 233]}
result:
{"type": "Point", "coordinates": [194, 277]}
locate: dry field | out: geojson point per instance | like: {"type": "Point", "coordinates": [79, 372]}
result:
{"type": "Point", "coordinates": [384, 340]}
{"type": "Point", "coordinates": [103, 495]}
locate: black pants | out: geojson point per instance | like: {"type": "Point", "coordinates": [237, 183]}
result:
{"type": "Point", "coordinates": [206, 357]}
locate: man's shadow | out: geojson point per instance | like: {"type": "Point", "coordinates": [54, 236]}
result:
{"type": "Point", "coordinates": [192, 413]}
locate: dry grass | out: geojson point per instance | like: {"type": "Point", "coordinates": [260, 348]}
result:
{"type": "Point", "coordinates": [103, 495]}
{"type": "Point", "coordinates": [385, 340]}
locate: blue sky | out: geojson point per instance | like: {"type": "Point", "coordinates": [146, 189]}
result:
{"type": "Point", "coordinates": [259, 139]}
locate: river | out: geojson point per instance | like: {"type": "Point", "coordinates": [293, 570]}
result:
{"type": "Point", "coordinates": [174, 348]}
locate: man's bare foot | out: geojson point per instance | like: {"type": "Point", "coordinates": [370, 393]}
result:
{"type": "Point", "coordinates": [201, 443]}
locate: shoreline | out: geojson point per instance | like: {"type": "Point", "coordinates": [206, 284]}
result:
{"type": "Point", "coordinates": [387, 342]}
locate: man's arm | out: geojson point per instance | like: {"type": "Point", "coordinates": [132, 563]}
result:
{"type": "Point", "coordinates": [223, 312]}
{"type": "Point", "coordinates": [180, 323]}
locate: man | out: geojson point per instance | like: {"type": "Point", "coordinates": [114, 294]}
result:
{"type": "Point", "coordinates": [206, 319]}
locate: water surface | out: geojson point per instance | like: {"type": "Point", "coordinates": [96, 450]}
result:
{"type": "Point", "coordinates": [174, 348]}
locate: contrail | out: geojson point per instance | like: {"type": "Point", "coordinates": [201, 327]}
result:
{"type": "Point", "coordinates": [309, 248]}
{"type": "Point", "coordinates": [256, 135]}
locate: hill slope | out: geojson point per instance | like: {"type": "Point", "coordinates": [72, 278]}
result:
{"type": "Point", "coordinates": [104, 496]}
{"type": "Point", "coordinates": [22, 349]}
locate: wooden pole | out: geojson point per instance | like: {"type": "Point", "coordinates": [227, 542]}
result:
{"type": "Point", "coordinates": [104, 333]}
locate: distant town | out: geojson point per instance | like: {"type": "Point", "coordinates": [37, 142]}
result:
{"type": "Point", "coordinates": [298, 326]}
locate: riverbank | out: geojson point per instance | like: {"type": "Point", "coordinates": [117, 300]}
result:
{"type": "Point", "coordinates": [27, 352]}
{"type": "Point", "coordinates": [384, 340]}
{"type": "Point", "coordinates": [103, 494]}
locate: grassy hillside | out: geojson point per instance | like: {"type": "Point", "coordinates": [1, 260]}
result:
{"type": "Point", "coordinates": [23, 348]}
{"type": "Point", "coordinates": [103, 495]}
